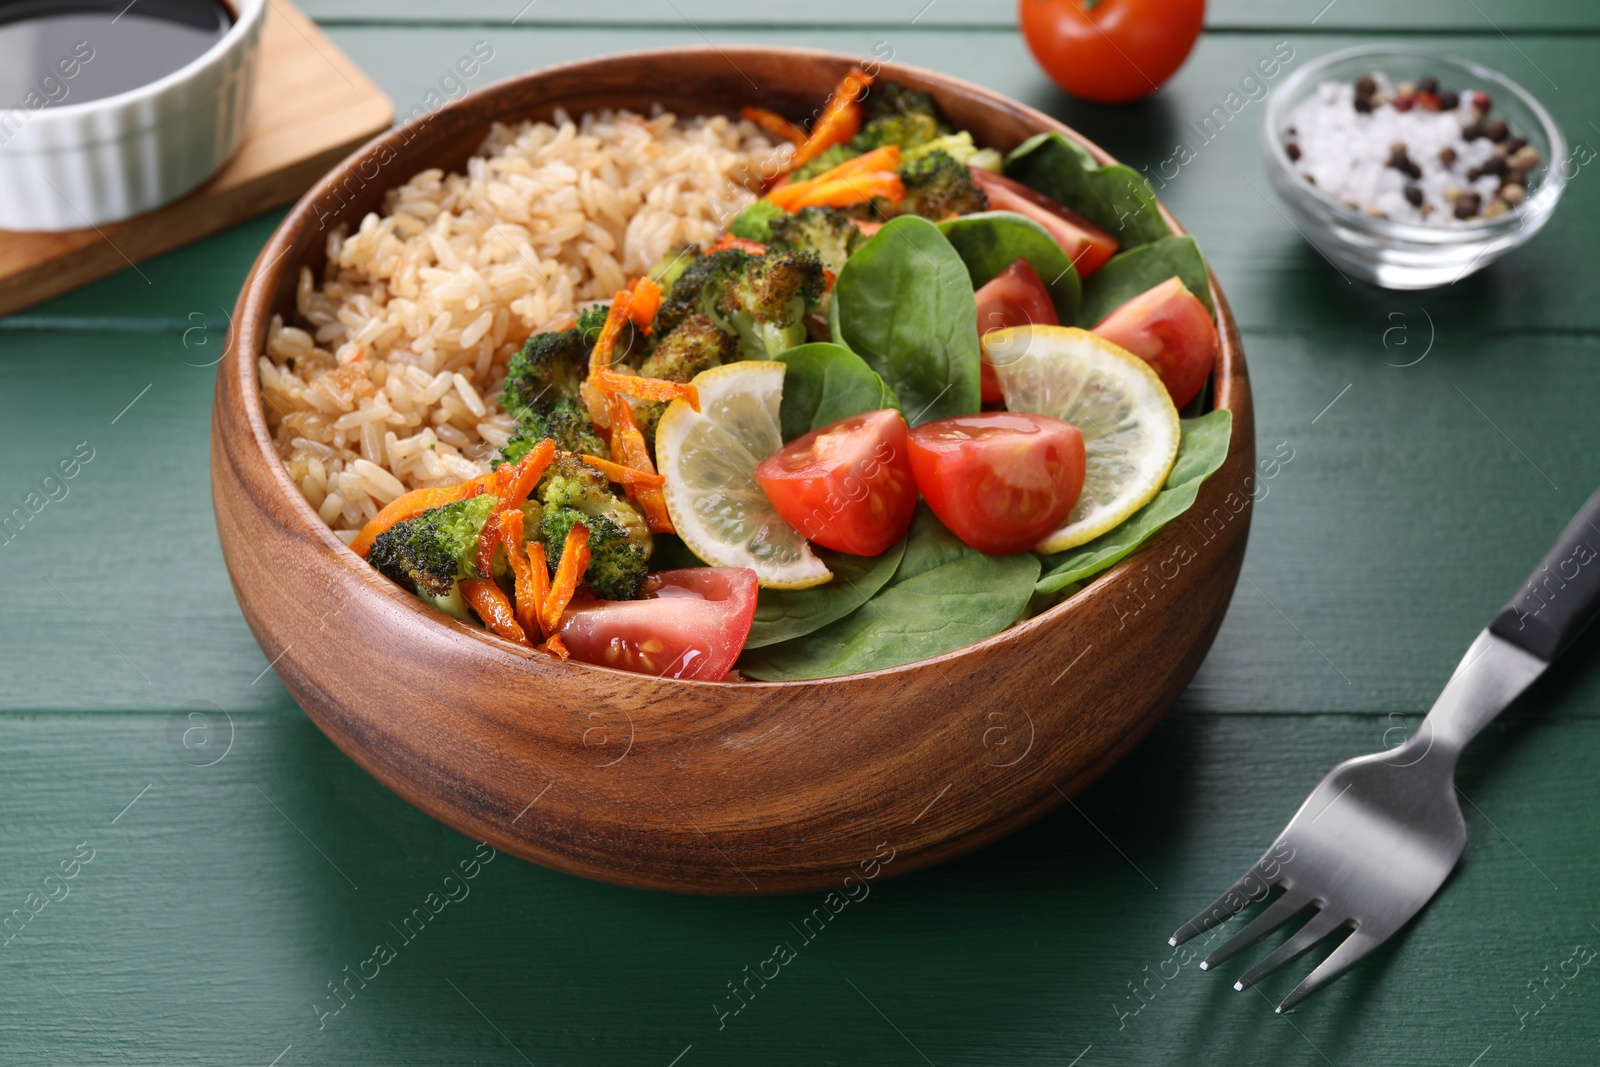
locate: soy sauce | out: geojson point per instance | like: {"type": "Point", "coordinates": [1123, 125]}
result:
{"type": "Point", "coordinates": [54, 53]}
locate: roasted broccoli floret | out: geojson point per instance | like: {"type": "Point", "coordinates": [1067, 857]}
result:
{"type": "Point", "coordinates": [752, 224]}
{"type": "Point", "coordinates": [566, 423]}
{"type": "Point", "coordinates": [620, 543]}
{"type": "Point", "coordinates": [549, 366]}
{"type": "Point", "coordinates": [590, 321]}
{"type": "Point", "coordinates": [937, 186]}
{"type": "Point", "coordinates": [826, 231]}
{"type": "Point", "coordinates": [908, 131]}
{"type": "Point", "coordinates": [760, 299]}
{"type": "Point", "coordinates": [428, 554]}
{"type": "Point", "coordinates": [765, 303]}
{"type": "Point", "coordinates": [619, 539]}
{"type": "Point", "coordinates": [616, 564]}
{"type": "Point", "coordinates": [891, 99]}
{"type": "Point", "coordinates": [694, 345]}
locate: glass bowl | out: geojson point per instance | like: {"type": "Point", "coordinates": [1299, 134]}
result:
{"type": "Point", "coordinates": [1408, 255]}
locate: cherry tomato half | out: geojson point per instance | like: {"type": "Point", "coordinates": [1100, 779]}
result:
{"type": "Point", "coordinates": [690, 624]}
{"type": "Point", "coordinates": [1085, 244]}
{"type": "Point", "coordinates": [1000, 481]}
{"type": "Point", "coordinates": [1014, 297]}
{"type": "Point", "coordinates": [1111, 51]}
{"type": "Point", "coordinates": [1171, 330]}
{"type": "Point", "coordinates": [847, 486]}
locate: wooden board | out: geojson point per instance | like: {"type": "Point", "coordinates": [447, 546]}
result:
{"type": "Point", "coordinates": [312, 106]}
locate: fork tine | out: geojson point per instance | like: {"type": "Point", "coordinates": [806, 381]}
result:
{"type": "Point", "coordinates": [1320, 926]}
{"type": "Point", "coordinates": [1249, 889]}
{"type": "Point", "coordinates": [1347, 955]}
{"type": "Point", "coordinates": [1277, 913]}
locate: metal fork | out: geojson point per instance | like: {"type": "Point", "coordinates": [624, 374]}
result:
{"type": "Point", "coordinates": [1378, 836]}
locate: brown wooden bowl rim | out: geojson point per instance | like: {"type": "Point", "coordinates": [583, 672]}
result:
{"type": "Point", "coordinates": [253, 314]}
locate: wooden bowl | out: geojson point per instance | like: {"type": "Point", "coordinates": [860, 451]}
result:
{"type": "Point", "coordinates": [692, 786]}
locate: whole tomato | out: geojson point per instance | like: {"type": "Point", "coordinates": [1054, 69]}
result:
{"type": "Point", "coordinates": [1111, 51]}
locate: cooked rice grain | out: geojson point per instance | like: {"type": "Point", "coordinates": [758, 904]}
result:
{"type": "Point", "coordinates": [388, 380]}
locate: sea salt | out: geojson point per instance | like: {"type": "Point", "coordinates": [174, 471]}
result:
{"type": "Point", "coordinates": [1346, 153]}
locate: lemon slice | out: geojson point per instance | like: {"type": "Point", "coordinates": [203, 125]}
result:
{"type": "Point", "coordinates": [709, 459]}
{"type": "Point", "coordinates": [1130, 428]}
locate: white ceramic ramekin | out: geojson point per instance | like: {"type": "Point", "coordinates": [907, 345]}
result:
{"type": "Point", "coordinates": [66, 168]}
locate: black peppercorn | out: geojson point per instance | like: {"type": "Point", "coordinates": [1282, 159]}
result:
{"type": "Point", "coordinates": [1472, 131]}
{"type": "Point", "coordinates": [1447, 156]}
{"type": "Point", "coordinates": [1494, 165]}
{"type": "Point", "coordinates": [1414, 195]}
{"type": "Point", "coordinates": [1496, 130]}
{"type": "Point", "coordinates": [1365, 86]}
{"type": "Point", "coordinates": [1467, 205]}
{"type": "Point", "coordinates": [1511, 144]}
{"type": "Point", "coordinates": [1292, 150]}
{"type": "Point", "coordinates": [1449, 100]}
{"type": "Point", "coordinates": [1427, 85]}
{"type": "Point", "coordinates": [1363, 104]}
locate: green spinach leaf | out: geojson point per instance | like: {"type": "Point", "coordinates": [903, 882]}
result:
{"type": "Point", "coordinates": [943, 596]}
{"type": "Point", "coordinates": [1201, 449]}
{"type": "Point", "coordinates": [784, 614]}
{"type": "Point", "coordinates": [1127, 274]}
{"type": "Point", "coordinates": [1115, 198]}
{"type": "Point", "coordinates": [904, 303]}
{"type": "Point", "coordinates": [826, 383]}
{"type": "Point", "coordinates": [991, 241]}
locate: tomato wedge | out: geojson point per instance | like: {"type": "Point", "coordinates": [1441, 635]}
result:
{"type": "Point", "coordinates": [1171, 330]}
{"type": "Point", "coordinates": [1014, 297]}
{"type": "Point", "coordinates": [1087, 245]}
{"type": "Point", "coordinates": [1000, 480]}
{"type": "Point", "coordinates": [846, 486]}
{"type": "Point", "coordinates": [690, 624]}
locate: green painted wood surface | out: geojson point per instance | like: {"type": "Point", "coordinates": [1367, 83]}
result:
{"type": "Point", "coordinates": [218, 907]}
{"type": "Point", "coordinates": [1432, 16]}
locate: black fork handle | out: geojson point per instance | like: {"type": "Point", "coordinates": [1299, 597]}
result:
{"type": "Point", "coordinates": [1562, 595]}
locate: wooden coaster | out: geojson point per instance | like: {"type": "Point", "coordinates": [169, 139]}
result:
{"type": "Point", "coordinates": [312, 106]}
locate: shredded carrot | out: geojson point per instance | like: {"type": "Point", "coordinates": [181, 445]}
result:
{"type": "Point", "coordinates": [728, 240]}
{"type": "Point", "coordinates": [488, 541]}
{"type": "Point", "coordinates": [530, 579]}
{"type": "Point", "coordinates": [644, 303]}
{"type": "Point", "coordinates": [885, 158]}
{"type": "Point", "coordinates": [539, 584]}
{"type": "Point", "coordinates": [792, 195]}
{"type": "Point", "coordinates": [650, 388]}
{"type": "Point", "coordinates": [616, 472]}
{"type": "Point", "coordinates": [410, 505]}
{"type": "Point", "coordinates": [554, 645]}
{"type": "Point", "coordinates": [773, 123]}
{"type": "Point", "coordinates": [840, 192]}
{"type": "Point", "coordinates": [628, 448]}
{"type": "Point", "coordinates": [494, 608]}
{"type": "Point", "coordinates": [569, 572]}
{"type": "Point", "coordinates": [595, 390]}
{"type": "Point", "coordinates": [514, 481]}
{"type": "Point", "coordinates": [840, 119]}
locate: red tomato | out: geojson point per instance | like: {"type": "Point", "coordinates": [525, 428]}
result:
{"type": "Point", "coordinates": [847, 486]}
{"type": "Point", "coordinates": [690, 624]}
{"type": "Point", "coordinates": [1085, 244]}
{"type": "Point", "coordinates": [1000, 481]}
{"type": "Point", "coordinates": [1014, 297]}
{"type": "Point", "coordinates": [1171, 330]}
{"type": "Point", "coordinates": [1111, 51]}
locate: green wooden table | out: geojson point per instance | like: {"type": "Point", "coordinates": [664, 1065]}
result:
{"type": "Point", "coordinates": [213, 910]}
